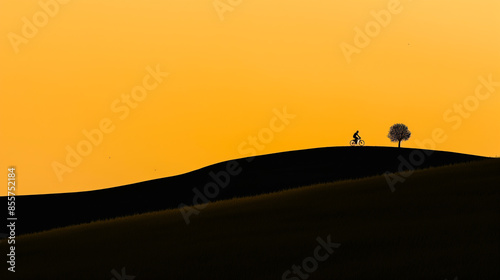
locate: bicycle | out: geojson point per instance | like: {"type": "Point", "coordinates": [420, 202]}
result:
{"type": "Point", "coordinates": [360, 143]}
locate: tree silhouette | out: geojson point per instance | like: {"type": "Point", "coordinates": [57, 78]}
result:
{"type": "Point", "coordinates": [399, 132]}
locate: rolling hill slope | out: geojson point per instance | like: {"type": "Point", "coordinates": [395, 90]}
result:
{"type": "Point", "coordinates": [250, 176]}
{"type": "Point", "coordinates": [440, 223]}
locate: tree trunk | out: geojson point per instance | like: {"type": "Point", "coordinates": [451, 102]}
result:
{"type": "Point", "coordinates": [399, 144]}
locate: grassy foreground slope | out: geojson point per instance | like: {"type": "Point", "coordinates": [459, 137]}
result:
{"type": "Point", "coordinates": [440, 223]}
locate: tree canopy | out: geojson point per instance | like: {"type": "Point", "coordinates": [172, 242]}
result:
{"type": "Point", "coordinates": [399, 132]}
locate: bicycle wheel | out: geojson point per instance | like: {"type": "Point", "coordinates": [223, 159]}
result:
{"type": "Point", "coordinates": [361, 142]}
{"type": "Point", "coordinates": [353, 143]}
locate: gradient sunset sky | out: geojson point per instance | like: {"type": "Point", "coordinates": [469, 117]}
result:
{"type": "Point", "coordinates": [230, 69]}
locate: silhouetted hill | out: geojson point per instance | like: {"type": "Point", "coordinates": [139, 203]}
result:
{"type": "Point", "coordinates": [440, 223]}
{"type": "Point", "coordinates": [262, 174]}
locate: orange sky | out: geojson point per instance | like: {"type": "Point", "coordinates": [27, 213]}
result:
{"type": "Point", "coordinates": [65, 66]}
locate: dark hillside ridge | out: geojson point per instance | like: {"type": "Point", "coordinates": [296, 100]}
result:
{"type": "Point", "coordinates": [263, 174]}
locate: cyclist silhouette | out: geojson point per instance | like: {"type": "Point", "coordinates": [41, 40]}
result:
{"type": "Point", "coordinates": [356, 137]}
